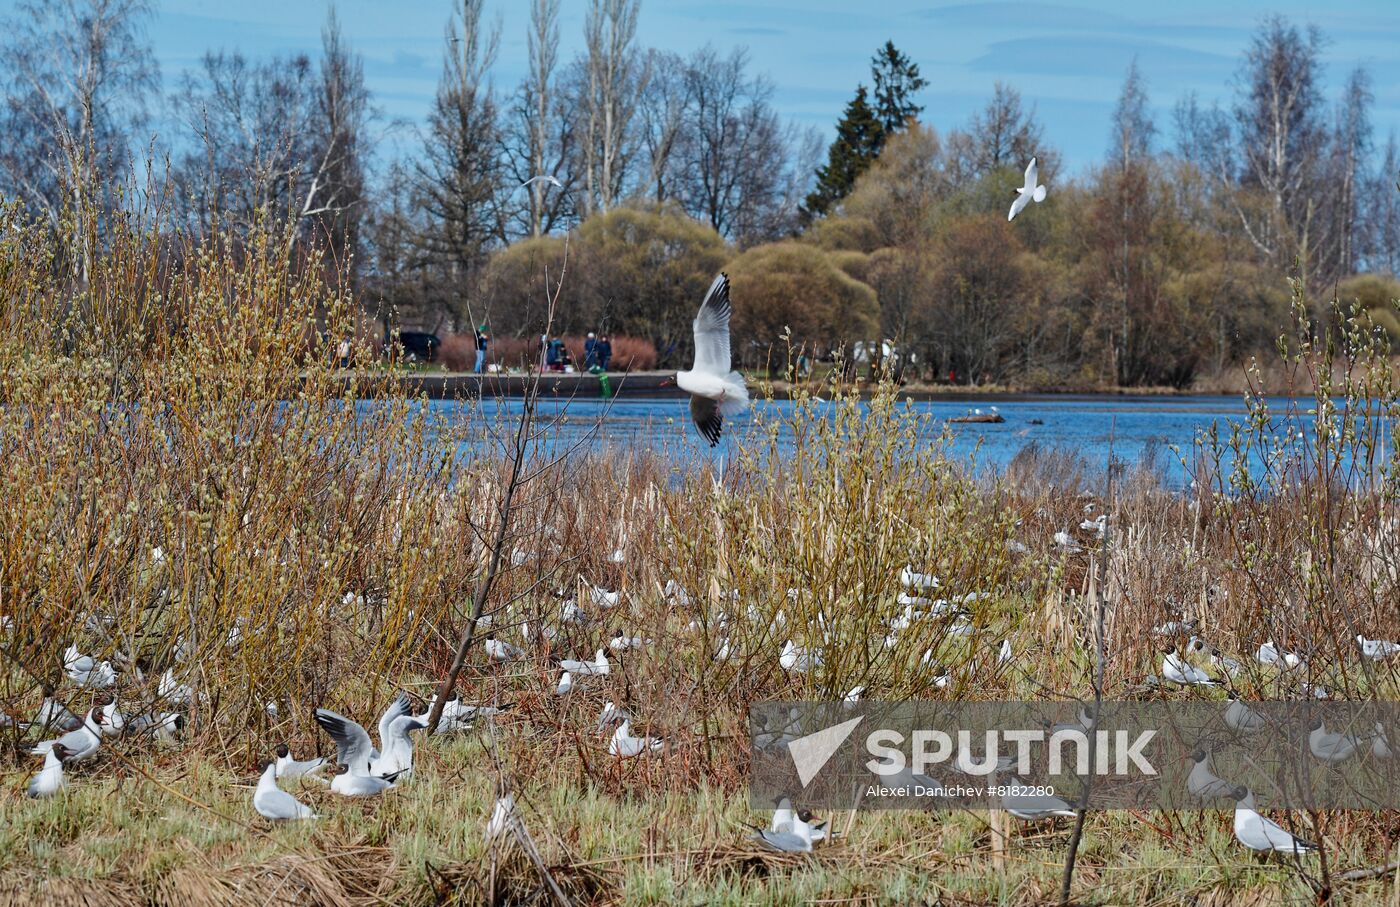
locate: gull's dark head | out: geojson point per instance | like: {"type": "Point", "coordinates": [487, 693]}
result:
{"type": "Point", "coordinates": [341, 769]}
{"type": "Point", "coordinates": [668, 381]}
{"type": "Point", "coordinates": [61, 752]}
{"type": "Point", "coordinates": [283, 751]}
{"type": "Point", "coordinates": [1198, 756]}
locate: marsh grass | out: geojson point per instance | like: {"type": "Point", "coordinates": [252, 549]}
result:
{"type": "Point", "coordinates": [320, 550]}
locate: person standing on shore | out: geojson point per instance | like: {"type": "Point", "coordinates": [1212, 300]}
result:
{"type": "Point", "coordinates": [590, 352]}
{"type": "Point", "coordinates": [482, 339]}
{"type": "Point", "coordinates": [604, 352]}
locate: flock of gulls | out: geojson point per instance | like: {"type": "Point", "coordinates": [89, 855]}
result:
{"type": "Point", "coordinates": [362, 769]}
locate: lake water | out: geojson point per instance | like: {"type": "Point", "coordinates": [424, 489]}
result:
{"type": "Point", "coordinates": [1085, 425]}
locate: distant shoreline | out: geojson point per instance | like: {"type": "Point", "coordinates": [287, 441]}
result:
{"type": "Point", "coordinates": [648, 386]}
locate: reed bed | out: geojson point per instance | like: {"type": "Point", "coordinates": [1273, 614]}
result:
{"type": "Point", "coordinates": [188, 488]}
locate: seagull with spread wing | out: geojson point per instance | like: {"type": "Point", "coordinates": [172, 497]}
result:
{"type": "Point", "coordinates": [715, 389]}
{"type": "Point", "coordinates": [1027, 193]}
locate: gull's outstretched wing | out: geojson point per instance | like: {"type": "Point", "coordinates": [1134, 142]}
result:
{"type": "Point", "coordinates": [1032, 174]}
{"type": "Point", "coordinates": [1021, 201]}
{"type": "Point", "coordinates": [352, 743]}
{"type": "Point", "coordinates": [712, 332]}
{"type": "Point", "coordinates": [705, 412]}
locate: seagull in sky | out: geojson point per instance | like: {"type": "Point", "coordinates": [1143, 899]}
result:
{"type": "Point", "coordinates": [1027, 193]}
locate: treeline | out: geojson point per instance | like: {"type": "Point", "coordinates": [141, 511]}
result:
{"type": "Point", "coordinates": [1166, 261]}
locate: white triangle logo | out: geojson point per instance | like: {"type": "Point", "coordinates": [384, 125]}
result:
{"type": "Point", "coordinates": [812, 752]}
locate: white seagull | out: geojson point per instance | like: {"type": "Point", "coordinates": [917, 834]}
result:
{"type": "Point", "coordinates": [349, 784]}
{"type": "Point", "coordinates": [54, 715]}
{"type": "Point", "coordinates": [544, 177]}
{"type": "Point", "coordinates": [796, 839]}
{"type": "Point", "coordinates": [502, 817]}
{"type": "Point", "coordinates": [287, 767]}
{"type": "Point", "coordinates": [353, 746]}
{"type": "Point", "coordinates": [599, 665]}
{"type": "Point", "coordinates": [912, 579]}
{"type": "Point", "coordinates": [715, 389]}
{"type": "Point", "coordinates": [84, 671]}
{"type": "Point", "coordinates": [49, 780]}
{"type": "Point", "coordinates": [1178, 670]}
{"type": "Point", "coordinates": [566, 684]}
{"type": "Point", "coordinates": [80, 744]}
{"type": "Point", "coordinates": [1241, 717]}
{"type": "Point", "coordinates": [1027, 193]}
{"type": "Point", "coordinates": [795, 658]}
{"type": "Point", "coordinates": [1033, 807]}
{"type": "Point", "coordinates": [1377, 649]}
{"type": "Point", "coordinates": [1203, 783]}
{"type": "Point", "coordinates": [625, 746]}
{"type": "Point", "coordinates": [1331, 747]}
{"type": "Point", "coordinates": [1261, 834]}
{"type": "Point", "coordinates": [502, 651]}
{"type": "Point", "coordinates": [273, 803]}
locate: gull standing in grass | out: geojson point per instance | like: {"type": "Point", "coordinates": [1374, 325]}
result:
{"type": "Point", "coordinates": [49, 780]}
{"type": "Point", "coordinates": [1331, 747]}
{"type": "Point", "coordinates": [502, 651]}
{"type": "Point", "coordinates": [172, 691]}
{"type": "Point", "coordinates": [797, 659]}
{"type": "Point", "coordinates": [1179, 671]}
{"type": "Point", "coordinates": [1377, 649]}
{"type": "Point", "coordinates": [912, 579]}
{"type": "Point", "coordinates": [715, 389]}
{"type": "Point", "coordinates": [353, 746]}
{"type": "Point", "coordinates": [85, 672]}
{"type": "Point", "coordinates": [272, 802]}
{"type": "Point", "coordinates": [288, 767]}
{"type": "Point", "coordinates": [1027, 193]}
{"type": "Point", "coordinates": [348, 783]}
{"type": "Point", "coordinates": [566, 684]}
{"type": "Point", "coordinates": [797, 839]}
{"type": "Point", "coordinates": [54, 715]}
{"type": "Point", "coordinates": [1264, 835]}
{"type": "Point", "coordinates": [599, 665]}
{"type": "Point", "coordinates": [1240, 717]}
{"type": "Point", "coordinates": [1203, 783]}
{"type": "Point", "coordinates": [80, 744]}
{"type": "Point", "coordinates": [625, 746]}
{"type": "Point", "coordinates": [1033, 807]}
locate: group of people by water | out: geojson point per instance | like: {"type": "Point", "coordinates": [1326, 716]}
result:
{"type": "Point", "coordinates": [555, 355]}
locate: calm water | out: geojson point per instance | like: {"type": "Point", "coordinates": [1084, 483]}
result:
{"type": "Point", "coordinates": [1085, 425]}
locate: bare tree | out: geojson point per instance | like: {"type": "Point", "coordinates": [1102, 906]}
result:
{"type": "Point", "coordinates": [253, 123]}
{"type": "Point", "coordinates": [732, 145]}
{"type": "Point", "coordinates": [1381, 212]}
{"type": "Point", "coordinates": [1003, 134]}
{"type": "Point", "coordinates": [459, 176]}
{"type": "Point", "coordinates": [662, 110]}
{"type": "Point", "coordinates": [1350, 148]}
{"type": "Point", "coordinates": [335, 197]}
{"type": "Point", "coordinates": [615, 79]}
{"type": "Point", "coordinates": [541, 132]}
{"type": "Point", "coordinates": [1278, 116]}
{"type": "Point", "coordinates": [76, 75]}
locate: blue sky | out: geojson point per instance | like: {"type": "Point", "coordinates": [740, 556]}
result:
{"type": "Point", "coordinates": [1067, 59]}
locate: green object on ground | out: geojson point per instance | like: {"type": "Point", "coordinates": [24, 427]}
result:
{"type": "Point", "coordinates": [604, 381]}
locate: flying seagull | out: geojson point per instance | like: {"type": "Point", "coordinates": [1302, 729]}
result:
{"type": "Point", "coordinates": [715, 389]}
{"type": "Point", "coordinates": [546, 178]}
{"type": "Point", "coordinates": [1030, 191]}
